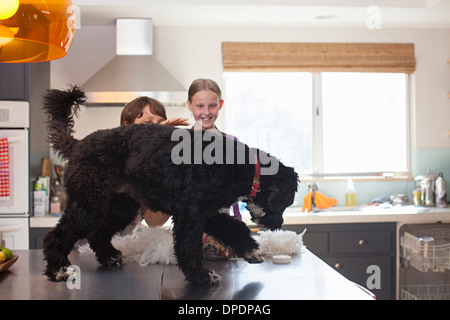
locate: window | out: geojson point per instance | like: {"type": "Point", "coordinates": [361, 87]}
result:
{"type": "Point", "coordinates": [272, 111]}
{"type": "Point", "coordinates": [328, 123]}
{"type": "Point", "coordinates": [364, 122]}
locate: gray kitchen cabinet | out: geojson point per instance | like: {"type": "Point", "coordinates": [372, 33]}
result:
{"type": "Point", "coordinates": [36, 237]}
{"type": "Point", "coordinates": [362, 252]}
{"type": "Point", "coordinates": [14, 81]}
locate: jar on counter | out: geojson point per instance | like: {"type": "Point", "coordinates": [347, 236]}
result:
{"type": "Point", "coordinates": [55, 205]}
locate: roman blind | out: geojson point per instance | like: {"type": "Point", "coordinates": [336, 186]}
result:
{"type": "Point", "coordinates": [318, 57]}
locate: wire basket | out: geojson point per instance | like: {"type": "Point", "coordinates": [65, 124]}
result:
{"type": "Point", "coordinates": [426, 292]}
{"type": "Point", "coordinates": [427, 250]}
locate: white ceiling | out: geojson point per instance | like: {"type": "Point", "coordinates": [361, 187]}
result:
{"type": "Point", "coordinates": [276, 13]}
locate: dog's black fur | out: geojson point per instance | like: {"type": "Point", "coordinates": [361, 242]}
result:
{"type": "Point", "coordinates": [112, 172]}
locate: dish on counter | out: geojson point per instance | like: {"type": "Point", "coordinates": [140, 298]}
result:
{"type": "Point", "coordinates": [5, 265]}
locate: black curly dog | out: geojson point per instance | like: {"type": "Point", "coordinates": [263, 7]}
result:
{"type": "Point", "coordinates": [111, 173]}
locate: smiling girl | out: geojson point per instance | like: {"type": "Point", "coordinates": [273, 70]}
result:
{"type": "Point", "coordinates": [205, 101]}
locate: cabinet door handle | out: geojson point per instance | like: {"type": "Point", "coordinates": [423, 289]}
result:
{"type": "Point", "coordinates": [362, 242]}
{"type": "Point", "coordinates": [338, 265]}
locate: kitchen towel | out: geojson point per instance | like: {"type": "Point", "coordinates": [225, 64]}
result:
{"type": "Point", "coordinates": [144, 245]}
{"type": "Point", "coordinates": [4, 170]}
{"type": "Point", "coordinates": [280, 242]}
{"type": "Point", "coordinates": [320, 201]}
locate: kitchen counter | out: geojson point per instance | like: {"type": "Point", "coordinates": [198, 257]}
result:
{"type": "Point", "coordinates": [400, 215]}
{"type": "Point", "coordinates": [306, 277]}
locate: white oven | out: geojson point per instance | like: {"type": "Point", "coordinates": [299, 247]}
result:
{"type": "Point", "coordinates": [14, 174]}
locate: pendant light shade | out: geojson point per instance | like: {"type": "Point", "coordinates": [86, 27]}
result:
{"type": "Point", "coordinates": [35, 30]}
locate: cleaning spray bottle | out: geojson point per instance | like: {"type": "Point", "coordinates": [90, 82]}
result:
{"type": "Point", "coordinates": [350, 194]}
{"type": "Point", "coordinates": [441, 191]}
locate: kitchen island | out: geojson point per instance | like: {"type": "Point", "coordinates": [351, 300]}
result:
{"type": "Point", "coordinates": [306, 277]}
{"type": "Point", "coordinates": [381, 225]}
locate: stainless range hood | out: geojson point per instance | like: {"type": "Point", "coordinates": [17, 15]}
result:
{"type": "Point", "coordinates": [133, 72]}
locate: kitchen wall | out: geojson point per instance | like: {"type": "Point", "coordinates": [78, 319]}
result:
{"type": "Point", "coordinates": [192, 52]}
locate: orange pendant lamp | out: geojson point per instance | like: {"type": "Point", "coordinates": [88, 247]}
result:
{"type": "Point", "coordinates": [35, 30]}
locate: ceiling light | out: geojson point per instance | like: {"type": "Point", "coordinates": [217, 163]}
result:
{"type": "Point", "coordinates": [8, 8]}
{"type": "Point", "coordinates": [35, 30]}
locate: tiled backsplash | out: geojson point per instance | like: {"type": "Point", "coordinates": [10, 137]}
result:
{"type": "Point", "coordinates": [366, 191]}
{"type": "Point", "coordinates": [422, 161]}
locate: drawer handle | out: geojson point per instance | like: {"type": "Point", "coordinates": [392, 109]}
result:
{"type": "Point", "coordinates": [362, 242]}
{"type": "Point", "coordinates": [338, 265]}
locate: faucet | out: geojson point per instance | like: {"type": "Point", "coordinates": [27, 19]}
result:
{"type": "Point", "coordinates": [313, 189]}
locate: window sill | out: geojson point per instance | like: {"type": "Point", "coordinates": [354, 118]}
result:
{"type": "Point", "coordinates": [355, 178]}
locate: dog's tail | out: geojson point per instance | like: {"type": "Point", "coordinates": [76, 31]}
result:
{"type": "Point", "coordinates": [60, 107]}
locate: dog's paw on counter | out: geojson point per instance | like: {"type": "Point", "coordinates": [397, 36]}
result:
{"type": "Point", "coordinates": [204, 277]}
{"type": "Point", "coordinates": [254, 256]}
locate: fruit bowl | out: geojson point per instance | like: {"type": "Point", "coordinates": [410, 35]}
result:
{"type": "Point", "coordinates": [5, 265]}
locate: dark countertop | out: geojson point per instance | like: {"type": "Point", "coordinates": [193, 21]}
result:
{"type": "Point", "coordinates": [306, 277]}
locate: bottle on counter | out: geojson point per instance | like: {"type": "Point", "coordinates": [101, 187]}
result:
{"type": "Point", "coordinates": [417, 197]}
{"type": "Point", "coordinates": [39, 200]}
{"type": "Point", "coordinates": [441, 191]}
{"type": "Point", "coordinates": [350, 194]}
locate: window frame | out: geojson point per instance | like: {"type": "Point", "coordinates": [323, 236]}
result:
{"type": "Point", "coordinates": [317, 133]}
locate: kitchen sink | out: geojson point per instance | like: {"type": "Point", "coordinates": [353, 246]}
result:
{"type": "Point", "coordinates": [338, 209]}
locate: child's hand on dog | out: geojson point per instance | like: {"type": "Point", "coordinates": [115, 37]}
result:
{"type": "Point", "coordinates": [176, 122]}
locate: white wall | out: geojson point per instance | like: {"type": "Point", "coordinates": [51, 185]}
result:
{"type": "Point", "coordinates": [192, 52]}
